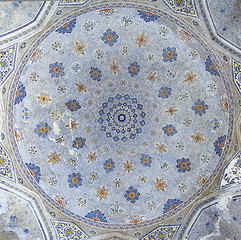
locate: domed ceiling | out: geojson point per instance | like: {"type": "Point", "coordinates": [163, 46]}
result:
{"type": "Point", "coordinates": [120, 117]}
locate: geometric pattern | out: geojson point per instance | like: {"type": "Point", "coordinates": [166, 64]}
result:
{"type": "Point", "coordinates": [7, 62]}
{"type": "Point", "coordinates": [6, 164]}
{"type": "Point", "coordinates": [162, 232]}
{"type": "Point", "coordinates": [129, 107]}
{"type": "Point", "coordinates": [72, 2]}
{"type": "Point", "coordinates": [121, 118]}
{"type": "Point", "coordinates": [68, 231]}
{"type": "Point", "coordinates": [186, 7]}
{"type": "Point", "coordinates": [232, 172]}
{"type": "Point", "coordinates": [236, 66]}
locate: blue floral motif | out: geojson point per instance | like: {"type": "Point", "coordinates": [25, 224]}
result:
{"type": "Point", "coordinates": [79, 142]}
{"type": "Point", "coordinates": [96, 215]}
{"type": "Point", "coordinates": [56, 69]}
{"type": "Point", "coordinates": [34, 170]}
{"type": "Point", "coordinates": [147, 16]}
{"type": "Point", "coordinates": [219, 145]}
{"type": "Point", "coordinates": [164, 92]}
{"type": "Point", "coordinates": [171, 204]}
{"type": "Point", "coordinates": [95, 73]}
{"type": "Point", "coordinates": [127, 21]}
{"type": "Point", "coordinates": [109, 165]}
{"type": "Point", "coordinates": [122, 118]}
{"type": "Point", "coordinates": [73, 105]}
{"type": "Point", "coordinates": [210, 67]}
{"type": "Point", "coordinates": [169, 130]}
{"type": "Point", "coordinates": [200, 107]}
{"type": "Point", "coordinates": [146, 160]}
{"type": "Point", "coordinates": [75, 180]}
{"type": "Point", "coordinates": [132, 195]}
{"type": "Point", "coordinates": [42, 129]}
{"type": "Point", "coordinates": [169, 54]}
{"type": "Point", "coordinates": [183, 165]}
{"type": "Point", "coordinates": [20, 93]}
{"type": "Point", "coordinates": [67, 27]}
{"type": "Point", "coordinates": [26, 113]}
{"type": "Point", "coordinates": [134, 69]}
{"type": "Point", "coordinates": [109, 37]}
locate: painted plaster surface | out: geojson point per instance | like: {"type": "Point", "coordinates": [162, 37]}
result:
{"type": "Point", "coordinates": [17, 218]}
{"type": "Point", "coordinates": [215, 220]}
{"type": "Point", "coordinates": [110, 107]}
{"type": "Point", "coordinates": [23, 11]}
{"type": "Point", "coordinates": [118, 121]}
{"type": "Point", "coordinates": [226, 16]}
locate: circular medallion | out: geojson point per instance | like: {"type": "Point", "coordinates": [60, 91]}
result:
{"type": "Point", "coordinates": [124, 119]}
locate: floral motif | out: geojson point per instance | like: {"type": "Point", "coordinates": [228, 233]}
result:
{"type": "Point", "coordinates": [75, 180]}
{"type": "Point", "coordinates": [56, 69]}
{"type": "Point", "coordinates": [169, 130]}
{"type": "Point", "coordinates": [127, 21]}
{"type": "Point", "coordinates": [109, 165]}
{"type": "Point", "coordinates": [34, 170]}
{"type": "Point", "coordinates": [96, 215]}
{"type": "Point", "coordinates": [102, 192]}
{"type": "Point", "coordinates": [128, 166]}
{"type": "Point", "coordinates": [190, 78]}
{"type": "Point", "coordinates": [27, 113]}
{"type": "Point", "coordinates": [132, 194]}
{"type": "Point", "coordinates": [93, 176]}
{"type": "Point", "coordinates": [147, 16]}
{"type": "Point", "coordinates": [67, 27]}
{"type": "Point", "coordinates": [197, 138]}
{"type": "Point", "coordinates": [171, 110]}
{"type": "Point", "coordinates": [116, 210]}
{"type": "Point", "coordinates": [152, 76]}
{"type": "Point", "coordinates": [79, 48]}
{"type": "Point", "coordinates": [142, 40]}
{"type": "Point", "coordinates": [164, 32]}
{"type": "Point", "coordinates": [134, 69]}
{"type": "Point", "coordinates": [121, 118]}
{"type": "Point", "coordinates": [89, 26]}
{"type": "Point", "coordinates": [200, 107]}
{"type": "Point", "coordinates": [79, 142]}
{"type": "Point", "coordinates": [210, 67]}
{"type": "Point", "coordinates": [61, 89]}
{"type": "Point", "coordinates": [219, 145]}
{"type": "Point", "coordinates": [71, 125]}
{"type": "Point", "coordinates": [80, 87]}
{"type": "Point", "coordinates": [164, 92]}
{"type": "Point", "coordinates": [109, 37]}
{"type": "Point", "coordinates": [95, 73]}
{"type": "Point", "coordinates": [42, 129]}
{"type": "Point", "coordinates": [92, 157]}
{"type": "Point", "coordinates": [161, 148]}
{"type": "Point", "coordinates": [44, 99]}
{"type": "Point", "coordinates": [214, 124]}
{"type": "Point", "coordinates": [54, 157]}
{"type": "Point", "coordinates": [20, 93]}
{"type": "Point", "coordinates": [146, 160]}
{"type": "Point", "coordinates": [57, 46]}
{"type": "Point", "coordinates": [169, 54]}
{"type": "Point", "coordinates": [183, 165]}
{"type": "Point", "coordinates": [160, 184]}
{"type": "Point", "coordinates": [73, 105]}
{"type": "Point", "coordinates": [171, 204]}
{"type": "Point", "coordinates": [114, 67]}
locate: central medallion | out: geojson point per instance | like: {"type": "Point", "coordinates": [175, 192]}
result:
{"type": "Point", "coordinates": [121, 118]}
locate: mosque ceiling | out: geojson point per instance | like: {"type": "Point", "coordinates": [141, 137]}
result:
{"type": "Point", "coordinates": [120, 119]}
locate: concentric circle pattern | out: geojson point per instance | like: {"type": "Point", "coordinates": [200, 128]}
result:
{"type": "Point", "coordinates": [120, 116]}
